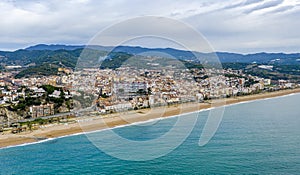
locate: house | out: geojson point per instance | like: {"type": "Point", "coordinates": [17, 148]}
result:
{"type": "Point", "coordinates": [39, 92]}
{"type": "Point", "coordinates": [55, 94]}
{"type": "Point", "coordinates": [42, 110]}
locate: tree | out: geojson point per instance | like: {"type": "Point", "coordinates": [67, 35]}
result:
{"type": "Point", "coordinates": [149, 90]}
{"type": "Point", "coordinates": [49, 88]}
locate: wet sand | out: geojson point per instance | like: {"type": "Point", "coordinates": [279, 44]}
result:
{"type": "Point", "coordinates": [93, 123]}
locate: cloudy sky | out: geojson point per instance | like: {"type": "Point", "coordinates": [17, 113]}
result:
{"type": "Point", "coordinates": [243, 26]}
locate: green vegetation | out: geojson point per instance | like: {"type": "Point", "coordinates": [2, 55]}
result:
{"type": "Point", "coordinates": [191, 65]}
{"type": "Point", "coordinates": [273, 74]}
{"type": "Point", "coordinates": [49, 88]}
{"type": "Point", "coordinates": [115, 60]}
{"type": "Point", "coordinates": [234, 66]}
{"type": "Point", "coordinates": [39, 57]}
{"type": "Point", "coordinates": [293, 69]}
{"type": "Point", "coordinates": [23, 104]}
{"type": "Point", "coordinates": [46, 62]}
{"type": "Point", "coordinates": [44, 70]}
{"type": "Point", "coordinates": [280, 71]}
{"type": "Point", "coordinates": [250, 82]}
{"type": "Point", "coordinates": [38, 121]}
{"type": "Point", "coordinates": [233, 76]}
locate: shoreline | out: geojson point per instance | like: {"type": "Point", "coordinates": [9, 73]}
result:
{"type": "Point", "coordinates": [98, 123]}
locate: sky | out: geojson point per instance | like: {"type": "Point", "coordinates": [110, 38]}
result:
{"type": "Point", "coordinates": [242, 26]}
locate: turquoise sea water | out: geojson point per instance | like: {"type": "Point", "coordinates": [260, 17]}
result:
{"type": "Point", "coordinates": [260, 137]}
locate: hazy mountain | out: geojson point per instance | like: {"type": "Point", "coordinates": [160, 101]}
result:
{"type": "Point", "coordinates": [32, 53]}
{"type": "Point", "coordinates": [54, 47]}
{"type": "Point", "coordinates": [45, 59]}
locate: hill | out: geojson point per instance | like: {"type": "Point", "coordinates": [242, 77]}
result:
{"type": "Point", "coordinates": [224, 57]}
{"type": "Point", "coordinates": [45, 59]}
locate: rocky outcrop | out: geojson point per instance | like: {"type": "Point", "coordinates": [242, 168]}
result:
{"type": "Point", "coordinates": [7, 116]}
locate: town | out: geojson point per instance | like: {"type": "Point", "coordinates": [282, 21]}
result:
{"type": "Point", "coordinates": [29, 102]}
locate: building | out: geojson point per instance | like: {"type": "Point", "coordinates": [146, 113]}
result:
{"type": "Point", "coordinates": [267, 82]}
{"type": "Point", "coordinates": [124, 90]}
{"type": "Point", "coordinates": [42, 110]}
{"type": "Point", "coordinates": [55, 94]}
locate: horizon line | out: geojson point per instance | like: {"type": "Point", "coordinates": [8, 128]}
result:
{"type": "Point", "coordinates": [139, 46]}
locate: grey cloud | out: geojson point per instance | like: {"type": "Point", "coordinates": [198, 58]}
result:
{"type": "Point", "coordinates": [248, 2]}
{"type": "Point", "coordinates": [265, 5]}
{"type": "Point", "coordinates": [232, 6]}
{"type": "Point", "coordinates": [241, 4]}
{"type": "Point", "coordinates": [282, 9]}
{"type": "Point", "coordinates": [222, 22]}
{"type": "Point", "coordinates": [231, 30]}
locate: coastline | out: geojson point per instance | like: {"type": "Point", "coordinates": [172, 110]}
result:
{"type": "Point", "coordinates": [96, 123]}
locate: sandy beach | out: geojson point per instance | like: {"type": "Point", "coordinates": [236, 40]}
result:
{"type": "Point", "coordinates": [93, 123]}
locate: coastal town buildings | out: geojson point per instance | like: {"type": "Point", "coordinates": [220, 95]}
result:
{"type": "Point", "coordinates": [42, 110]}
{"type": "Point", "coordinates": [124, 88]}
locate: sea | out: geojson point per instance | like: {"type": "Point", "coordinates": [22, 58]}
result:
{"type": "Point", "coordinates": [256, 137]}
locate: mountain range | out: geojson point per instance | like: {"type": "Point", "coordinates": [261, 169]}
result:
{"type": "Point", "coordinates": [224, 57]}
{"type": "Point", "coordinates": [44, 59]}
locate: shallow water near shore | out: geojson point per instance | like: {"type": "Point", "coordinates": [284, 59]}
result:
{"type": "Point", "coordinates": [259, 137]}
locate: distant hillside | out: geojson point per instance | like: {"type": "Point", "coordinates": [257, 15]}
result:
{"type": "Point", "coordinates": [25, 57]}
{"type": "Point", "coordinates": [54, 47]}
{"type": "Point", "coordinates": [281, 58]}
{"type": "Point", "coordinates": [224, 57]}
{"type": "Point", "coordinates": [44, 59]}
